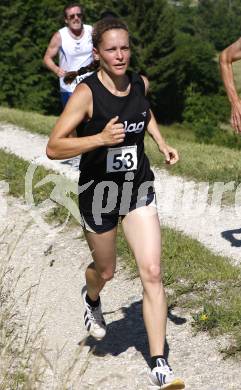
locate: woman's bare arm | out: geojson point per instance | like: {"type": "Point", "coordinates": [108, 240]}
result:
{"type": "Point", "coordinates": [170, 153]}
{"type": "Point", "coordinates": [78, 109]}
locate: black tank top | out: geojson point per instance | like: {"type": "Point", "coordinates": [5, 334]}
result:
{"type": "Point", "coordinates": [117, 162]}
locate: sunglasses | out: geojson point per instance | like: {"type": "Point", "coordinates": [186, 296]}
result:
{"type": "Point", "coordinates": [72, 16]}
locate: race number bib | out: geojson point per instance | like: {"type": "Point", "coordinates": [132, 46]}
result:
{"type": "Point", "coordinates": [122, 159]}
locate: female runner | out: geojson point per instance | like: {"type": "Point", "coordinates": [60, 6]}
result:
{"type": "Point", "coordinates": [111, 112]}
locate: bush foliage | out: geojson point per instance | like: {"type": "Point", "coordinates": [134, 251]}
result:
{"type": "Point", "coordinates": [169, 55]}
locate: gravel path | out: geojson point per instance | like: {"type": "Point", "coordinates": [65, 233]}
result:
{"type": "Point", "coordinates": [57, 264]}
{"type": "Point", "coordinates": [56, 269]}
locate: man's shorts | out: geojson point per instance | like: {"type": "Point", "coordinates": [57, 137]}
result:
{"type": "Point", "coordinates": [64, 97]}
{"type": "Point", "coordinates": [105, 222]}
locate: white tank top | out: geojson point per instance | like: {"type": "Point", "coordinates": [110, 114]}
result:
{"type": "Point", "coordinates": [73, 54]}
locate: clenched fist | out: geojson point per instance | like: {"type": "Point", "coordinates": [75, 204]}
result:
{"type": "Point", "coordinates": [113, 133]}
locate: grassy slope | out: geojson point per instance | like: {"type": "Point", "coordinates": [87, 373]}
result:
{"type": "Point", "coordinates": [31, 121]}
{"type": "Point", "coordinates": [197, 161]}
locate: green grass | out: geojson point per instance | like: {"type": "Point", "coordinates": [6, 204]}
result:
{"type": "Point", "coordinates": [202, 163]}
{"type": "Point", "coordinates": [178, 132]}
{"type": "Point", "coordinates": [13, 170]}
{"type": "Point", "coordinates": [199, 161]}
{"type": "Point", "coordinates": [31, 121]}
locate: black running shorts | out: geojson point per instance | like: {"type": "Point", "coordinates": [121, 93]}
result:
{"type": "Point", "coordinates": [107, 221]}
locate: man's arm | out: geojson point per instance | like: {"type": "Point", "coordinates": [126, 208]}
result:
{"type": "Point", "coordinates": [229, 55]}
{"type": "Point", "coordinates": [51, 52]}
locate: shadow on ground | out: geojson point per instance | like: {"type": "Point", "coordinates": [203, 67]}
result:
{"type": "Point", "coordinates": [229, 236]}
{"type": "Point", "coordinates": [127, 332]}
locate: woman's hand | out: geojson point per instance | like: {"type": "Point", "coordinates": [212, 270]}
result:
{"type": "Point", "coordinates": [113, 133]}
{"type": "Point", "coordinates": [171, 155]}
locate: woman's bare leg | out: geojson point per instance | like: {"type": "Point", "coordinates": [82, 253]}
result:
{"type": "Point", "coordinates": [142, 231]}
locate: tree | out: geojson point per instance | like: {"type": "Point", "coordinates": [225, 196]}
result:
{"type": "Point", "coordinates": [195, 65]}
{"type": "Point", "coordinates": [171, 60]}
{"type": "Point", "coordinates": [186, 13]}
{"type": "Point", "coordinates": [219, 21]}
{"type": "Point", "coordinates": [25, 83]}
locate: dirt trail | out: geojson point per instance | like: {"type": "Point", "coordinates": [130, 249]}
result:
{"type": "Point", "coordinates": [55, 268]}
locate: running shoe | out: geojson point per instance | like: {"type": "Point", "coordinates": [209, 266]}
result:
{"type": "Point", "coordinates": [162, 377]}
{"type": "Point", "coordinates": [93, 318]}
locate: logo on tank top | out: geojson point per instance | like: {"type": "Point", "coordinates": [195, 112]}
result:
{"type": "Point", "coordinates": [77, 46]}
{"type": "Point", "coordinates": [134, 127]}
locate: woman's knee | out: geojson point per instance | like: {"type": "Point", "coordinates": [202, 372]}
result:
{"type": "Point", "coordinates": [151, 273]}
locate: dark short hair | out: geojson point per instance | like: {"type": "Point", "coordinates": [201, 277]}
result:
{"type": "Point", "coordinates": [108, 14]}
{"type": "Point", "coordinates": [71, 5]}
{"type": "Point", "coordinates": [106, 24]}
